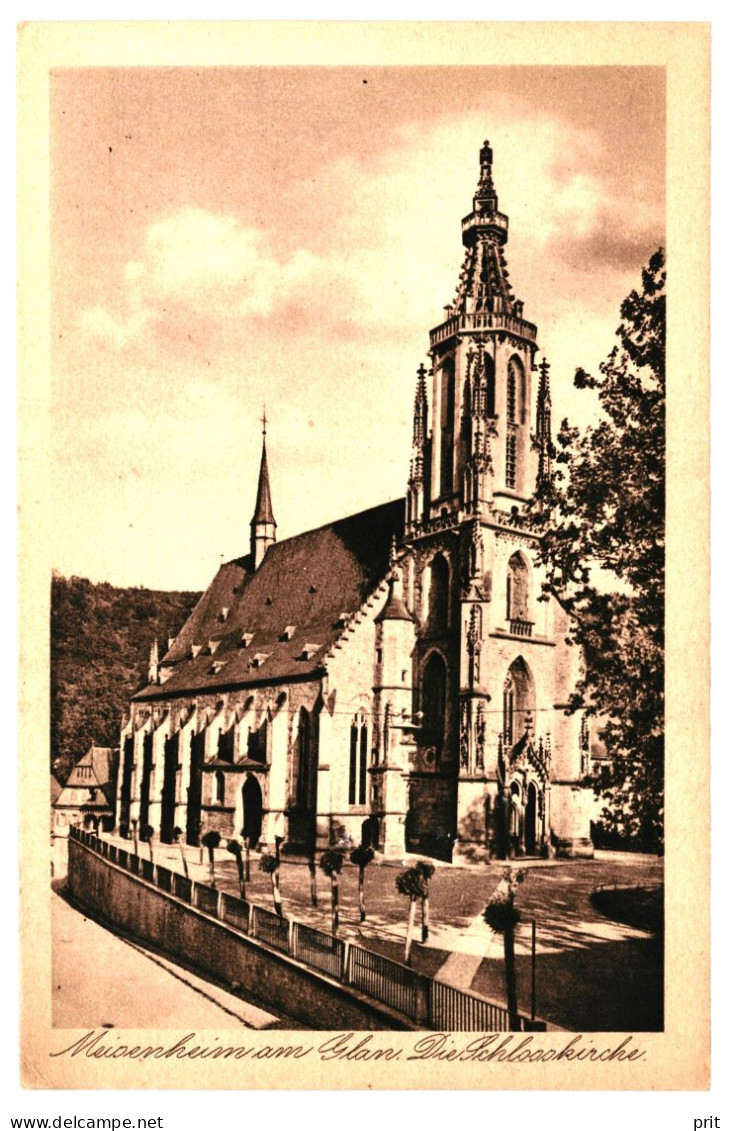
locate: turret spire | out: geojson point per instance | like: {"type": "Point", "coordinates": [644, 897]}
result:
{"type": "Point", "coordinates": [544, 426]}
{"type": "Point", "coordinates": [263, 524]}
{"type": "Point", "coordinates": [484, 281]}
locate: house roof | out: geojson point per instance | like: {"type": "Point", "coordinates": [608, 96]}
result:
{"type": "Point", "coordinates": [99, 760]}
{"type": "Point", "coordinates": [56, 789]}
{"type": "Point", "coordinates": [306, 582]}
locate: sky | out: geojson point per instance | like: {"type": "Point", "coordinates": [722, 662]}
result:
{"type": "Point", "coordinates": [228, 238]}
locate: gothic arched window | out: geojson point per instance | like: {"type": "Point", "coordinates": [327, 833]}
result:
{"type": "Point", "coordinates": [358, 760]}
{"type": "Point", "coordinates": [304, 767]}
{"type": "Point", "coordinates": [447, 398]}
{"type": "Point", "coordinates": [488, 371]}
{"type": "Point", "coordinates": [434, 690]}
{"type": "Point", "coordinates": [518, 702]}
{"type": "Point", "coordinates": [517, 588]}
{"type": "Point", "coordinates": [219, 788]}
{"type": "Point", "coordinates": [438, 597]}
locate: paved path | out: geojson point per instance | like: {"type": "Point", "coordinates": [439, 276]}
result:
{"type": "Point", "coordinates": [103, 981]}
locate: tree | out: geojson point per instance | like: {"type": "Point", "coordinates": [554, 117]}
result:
{"type": "Point", "coordinates": [602, 520]}
{"type": "Point", "coordinates": [410, 883]}
{"type": "Point", "coordinates": [211, 840]}
{"type": "Point", "coordinates": [177, 837]}
{"type": "Point", "coordinates": [362, 855]}
{"type": "Point", "coordinates": [269, 864]}
{"type": "Point", "coordinates": [147, 833]}
{"type": "Point", "coordinates": [427, 871]}
{"type": "Point", "coordinates": [236, 849]}
{"type": "Point", "coordinates": [502, 916]}
{"type": "Point", "coordinates": [331, 863]}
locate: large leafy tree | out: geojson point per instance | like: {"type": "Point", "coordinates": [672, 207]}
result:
{"type": "Point", "coordinates": [602, 517]}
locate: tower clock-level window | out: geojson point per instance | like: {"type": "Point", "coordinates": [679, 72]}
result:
{"type": "Point", "coordinates": [517, 589]}
{"type": "Point", "coordinates": [515, 417]}
{"type": "Point", "coordinates": [358, 760]}
{"type": "Point", "coordinates": [447, 398]}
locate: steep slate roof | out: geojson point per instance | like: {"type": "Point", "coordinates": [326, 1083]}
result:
{"type": "Point", "coordinates": [307, 582]}
{"type": "Point", "coordinates": [56, 789]}
{"type": "Point", "coordinates": [264, 508]}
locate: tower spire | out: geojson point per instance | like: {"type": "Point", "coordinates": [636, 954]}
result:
{"type": "Point", "coordinates": [484, 285]}
{"type": "Point", "coordinates": [263, 524]}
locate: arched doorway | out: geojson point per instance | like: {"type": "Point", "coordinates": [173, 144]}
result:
{"type": "Point", "coordinates": [252, 810]}
{"type": "Point", "coordinates": [531, 816]}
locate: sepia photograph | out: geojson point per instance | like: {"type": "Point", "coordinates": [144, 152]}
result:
{"type": "Point", "coordinates": [356, 536]}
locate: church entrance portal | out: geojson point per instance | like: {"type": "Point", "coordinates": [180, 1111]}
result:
{"type": "Point", "coordinates": [252, 811]}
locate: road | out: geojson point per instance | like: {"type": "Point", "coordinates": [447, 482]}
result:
{"type": "Point", "coordinates": [103, 981]}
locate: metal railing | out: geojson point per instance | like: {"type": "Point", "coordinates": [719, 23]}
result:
{"type": "Point", "coordinates": [205, 899]}
{"type": "Point", "coordinates": [270, 928]}
{"type": "Point", "coordinates": [453, 1010]}
{"type": "Point", "coordinates": [314, 948]}
{"type": "Point", "coordinates": [164, 878]}
{"type": "Point", "coordinates": [383, 979]}
{"type": "Point", "coordinates": [434, 1005]}
{"type": "Point", "coordinates": [521, 627]}
{"type": "Point", "coordinates": [236, 912]}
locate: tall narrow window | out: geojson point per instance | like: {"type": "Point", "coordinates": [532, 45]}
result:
{"type": "Point", "coordinates": [509, 698]}
{"type": "Point", "coordinates": [219, 788]}
{"type": "Point", "coordinates": [447, 388]}
{"type": "Point", "coordinates": [258, 743]}
{"type": "Point", "coordinates": [438, 579]}
{"type": "Point", "coordinates": [226, 740]}
{"type": "Point", "coordinates": [434, 702]}
{"type": "Point", "coordinates": [515, 416]}
{"type": "Point", "coordinates": [517, 589]}
{"type": "Point", "coordinates": [304, 771]}
{"type": "Point", "coordinates": [358, 760]}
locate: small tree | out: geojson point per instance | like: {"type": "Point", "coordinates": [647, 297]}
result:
{"type": "Point", "coordinates": [410, 883]}
{"type": "Point", "coordinates": [312, 876]}
{"type": "Point", "coordinates": [236, 849]}
{"type": "Point", "coordinates": [502, 916]}
{"type": "Point", "coordinates": [246, 842]}
{"type": "Point", "coordinates": [362, 855]}
{"type": "Point", "coordinates": [211, 840]}
{"type": "Point", "coordinates": [427, 871]}
{"type": "Point", "coordinates": [147, 833]}
{"type": "Point", "coordinates": [331, 863]}
{"type": "Point", "coordinates": [177, 837]}
{"type": "Point", "coordinates": [269, 864]}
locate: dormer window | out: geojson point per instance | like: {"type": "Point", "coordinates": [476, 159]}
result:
{"type": "Point", "coordinates": [288, 632]}
{"type": "Point", "coordinates": [223, 615]}
{"type": "Point", "coordinates": [343, 620]}
{"type": "Point", "coordinates": [213, 646]}
{"type": "Point", "coordinates": [309, 650]}
{"type": "Point", "coordinates": [218, 666]}
{"type": "Point", "coordinates": [195, 650]}
{"type": "Point", "coordinates": [259, 659]}
{"type": "Point", "coordinates": [245, 639]}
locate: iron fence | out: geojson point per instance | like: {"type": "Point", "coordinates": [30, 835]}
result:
{"type": "Point", "coordinates": [271, 929]}
{"type": "Point", "coordinates": [205, 899]}
{"type": "Point", "coordinates": [318, 949]}
{"type": "Point", "coordinates": [182, 887]}
{"type": "Point", "coordinates": [381, 978]}
{"type": "Point", "coordinates": [164, 878]}
{"type": "Point", "coordinates": [451, 1010]}
{"type": "Point", "coordinates": [236, 912]}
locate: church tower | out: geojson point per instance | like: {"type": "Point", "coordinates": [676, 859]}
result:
{"type": "Point", "coordinates": [491, 667]}
{"type": "Point", "coordinates": [263, 524]}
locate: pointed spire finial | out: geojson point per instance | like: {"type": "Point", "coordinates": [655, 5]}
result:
{"type": "Point", "coordinates": [263, 524]}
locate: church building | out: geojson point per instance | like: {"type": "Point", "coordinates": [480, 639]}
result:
{"type": "Point", "coordinates": [394, 676]}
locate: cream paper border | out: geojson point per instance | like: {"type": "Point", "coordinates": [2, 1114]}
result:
{"type": "Point", "coordinates": [677, 1058]}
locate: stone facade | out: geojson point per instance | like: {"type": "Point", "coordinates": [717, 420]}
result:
{"type": "Point", "coordinates": [395, 678]}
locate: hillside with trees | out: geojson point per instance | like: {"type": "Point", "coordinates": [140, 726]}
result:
{"type": "Point", "coordinates": [100, 642]}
